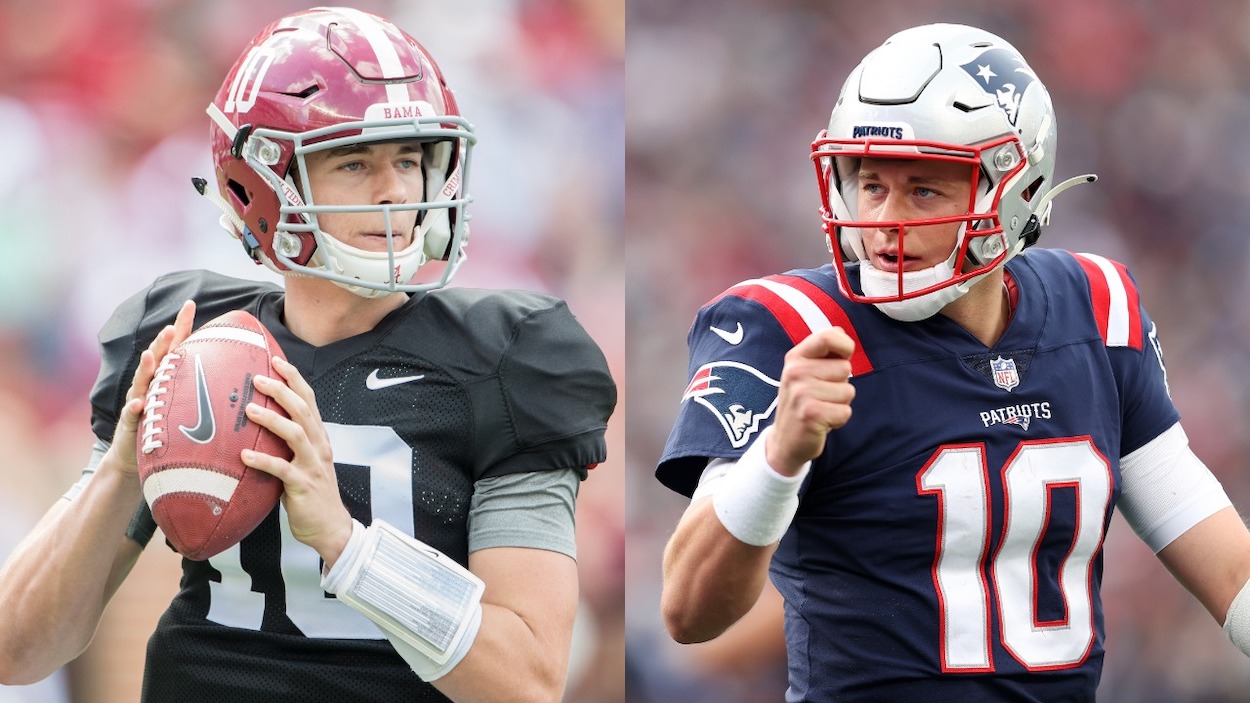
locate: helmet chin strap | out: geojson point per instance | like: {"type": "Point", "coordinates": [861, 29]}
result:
{"type": "Point", "coordinates": [878, 283]}
{"type": "Point", "coordinates": [230, 220]}
{"type": "Point", "coordinates": [883, 284]}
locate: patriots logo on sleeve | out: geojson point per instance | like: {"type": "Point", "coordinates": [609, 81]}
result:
{"type": "Point", "coordinates": [740, 396]}
{"type": "Point", "coordinates": [1002, 74]}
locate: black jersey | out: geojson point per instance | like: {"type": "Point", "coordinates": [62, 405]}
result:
{"type": "Point", "coordinates": [454, 386]}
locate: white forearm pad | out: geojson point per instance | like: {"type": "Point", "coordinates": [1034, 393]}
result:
{"type": "Point", "coordinates": [1237, 621]}
{"type": "Point", "coordinates": [753, 501]}
{"type": "Point", "coordinates": [422, 665]}
{"type": "Point", "coordinates": [428, 605]}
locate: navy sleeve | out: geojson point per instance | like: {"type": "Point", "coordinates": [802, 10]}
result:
{"type": "Point", "coordinates": [737, 349]}
{"type": "Point", "coordinates": [1146, 402]}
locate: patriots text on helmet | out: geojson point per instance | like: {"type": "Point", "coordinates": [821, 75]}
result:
{"type": "Point", "coordinates": [861, 131]}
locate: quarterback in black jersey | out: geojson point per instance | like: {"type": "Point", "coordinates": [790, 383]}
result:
{"type": "Point", "coordinates": [423, 420]}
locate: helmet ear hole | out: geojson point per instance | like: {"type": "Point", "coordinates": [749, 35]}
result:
{"type": "Point", "coordinates": [239, 192]}
{"type": "Point", "coordinates": [1033, 188]}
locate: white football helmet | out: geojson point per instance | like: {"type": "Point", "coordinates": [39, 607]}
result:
{"type": "Point", "coordinates": [952, 93]}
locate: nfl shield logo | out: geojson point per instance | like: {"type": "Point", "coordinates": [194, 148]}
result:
{"type": "Point", "coordinates": [1004, 370]}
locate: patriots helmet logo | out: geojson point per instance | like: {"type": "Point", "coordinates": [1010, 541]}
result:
{"type": "Point", "coordinates": [1021, 420]}
{"type": "Point", "coordinates": [740, 396]}
{"type": "Point", "coordinates": [1003, 74]}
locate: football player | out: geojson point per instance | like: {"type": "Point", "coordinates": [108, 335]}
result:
{"type": "Point", "coordinates": [923, 443]}
{"type": "Point", "coordinates": [424, 546]}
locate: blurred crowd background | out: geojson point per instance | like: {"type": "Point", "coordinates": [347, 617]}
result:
{"type": "Point", "coordinates": [101, 110]}
{"type": "Point", "coordinates": [723, 100]}
{"type": "Point", "coordinates": [102, 116]}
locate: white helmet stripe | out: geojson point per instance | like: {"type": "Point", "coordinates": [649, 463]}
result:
{"type": "Point", "coordinates": [388, 59]}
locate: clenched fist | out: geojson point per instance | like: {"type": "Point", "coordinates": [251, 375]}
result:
{"type": "Point", "coordinates": [815, 397]}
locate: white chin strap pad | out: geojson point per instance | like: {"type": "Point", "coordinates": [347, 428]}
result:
{"type": "Point", "coordinates": [878, 284]}
{"type": "Point", "coordinates": [371, 266]}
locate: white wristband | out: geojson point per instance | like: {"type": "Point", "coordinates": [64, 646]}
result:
{"type": "Point", "coordinates": [428, 606]}
{"type": "Point", "coordinates": [754, 502]}
{"type": "Point", "coordinates": [1237, 621]}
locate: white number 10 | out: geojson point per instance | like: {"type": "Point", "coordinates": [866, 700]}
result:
{"type": "Point", "coordinates": [233, 602]}
{"type": "Point", "coordinates": [958, 476]}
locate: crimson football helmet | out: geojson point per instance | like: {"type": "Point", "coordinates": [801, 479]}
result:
{"type": "Point", "coordinates": [327, 78]}
{"type": "Point", "coordinates": [952, 93]}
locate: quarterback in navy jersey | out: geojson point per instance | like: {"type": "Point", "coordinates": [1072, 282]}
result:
{"type": "Point", "coordinates": [438, 435]}
{"type": "Point", "coordinates": [922, 445]}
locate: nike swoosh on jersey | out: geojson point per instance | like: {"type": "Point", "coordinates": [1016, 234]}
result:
{"type": "Point", "coordinates": [374, 383]}
{"type": "Point", "coordinates": [734, 337]}
{"type": "Point", "coordinates": [205, 427]}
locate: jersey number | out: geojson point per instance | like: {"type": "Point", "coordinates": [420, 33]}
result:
{"type": "Point", "coordinates": [958, 476]}
{"type": "Point", "coordinates": [389, 462]}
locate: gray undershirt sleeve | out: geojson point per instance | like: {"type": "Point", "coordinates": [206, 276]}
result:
{"type": "Point", "coordinates": [533, 510]}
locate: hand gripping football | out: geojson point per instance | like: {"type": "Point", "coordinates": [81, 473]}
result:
{"type": "Point", "coordinates": [194, 428]}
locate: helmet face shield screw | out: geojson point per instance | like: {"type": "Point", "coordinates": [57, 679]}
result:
{"type": "Point", "coordinates": [288, 245]}
{"type": "Point", "coordinates": [1005, 159]}
{"type": "Point", "coordinates": [269, 154]}
{"type": "Point", "coordinates": [992, 247]}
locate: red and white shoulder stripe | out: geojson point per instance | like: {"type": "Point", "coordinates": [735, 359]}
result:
{"type": "Point", "coordinates": [1117, 309]}
{"type": "Point", "coordinates": [801, 307]}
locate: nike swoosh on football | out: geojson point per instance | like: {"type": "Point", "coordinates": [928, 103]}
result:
{"type": "Point", "coordinates": [205, 427]}
{"type": "Point", "coordinates": [734, 337]}
{"type": "Point", "coordinates": [374, 383]}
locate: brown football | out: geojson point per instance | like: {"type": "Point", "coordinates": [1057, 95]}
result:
{"type": "Point", "coordinates": [194, 428]}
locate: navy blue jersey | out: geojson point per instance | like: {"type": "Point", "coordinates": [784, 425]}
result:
{"type": "Point", "coordinates": [948, 542]}
{"type": "Point", "coordinates": [503, 382]}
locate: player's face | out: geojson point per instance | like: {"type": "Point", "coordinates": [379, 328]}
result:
{"type": "Point", "coordinates": [368, 174]}
{"type": "Point", "coordinates": [894, 190]}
